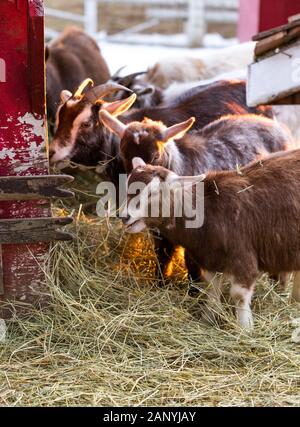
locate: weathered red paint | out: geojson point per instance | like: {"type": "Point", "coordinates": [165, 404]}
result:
{"type": "Point", "coordinates": [262, 15]}
{"type": "Point", "coordinates": [22, 134]}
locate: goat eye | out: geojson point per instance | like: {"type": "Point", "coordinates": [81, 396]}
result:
{"type": "Point", "coordinates": [85, 124]}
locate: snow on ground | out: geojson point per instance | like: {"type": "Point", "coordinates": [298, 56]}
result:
{"type": "Point", "coordinates": [138, 57]}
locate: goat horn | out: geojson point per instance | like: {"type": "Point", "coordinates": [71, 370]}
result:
{"type": "Point", "coordinates": [119, 107]}
{"type": "Point", "coordinates": [112, 123]}
{"type": "Point", "coordinates": [97, 93]}
{"type": "Point", "coordinates": [116, 74]}
{"type": "Point", "coordinates": [128, 80]}
{"type": "Point", "coordinates": [83, 85]}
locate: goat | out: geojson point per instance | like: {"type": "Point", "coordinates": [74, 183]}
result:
{"type": "Point", "coordinates": [150, 96]}
{"type": "Point", "coordinates": [289, 115]}
{"type": "Point", "coordinates": [70, 59]}
{"type": "Point", "coordinates": [177, 89]}
{"type": "Point", "coordinates": [251, 222]}
{"type": "Point", "coordinates": [225, 144]}
{"type": "Point", "coordinates": [82, 139]}
{"type": "Point", "coordinates": [80, 136]}
{"type": "Point", "coordinates": [178, 69]}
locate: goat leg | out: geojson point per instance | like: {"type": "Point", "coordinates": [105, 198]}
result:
{"type": "Point", "coordinates": [296, 288]}
{"type": "Point", "coordinates": [195, 273]}
{"type": "Point", "coordinates": [164, 250]}
{"type": "Point", "coordinates": [242, 296]}
{"type": "Point", "coordinates": [282, 279]}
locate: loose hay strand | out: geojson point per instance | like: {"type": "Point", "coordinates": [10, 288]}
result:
{"type": "Point", "coordinates": [111, 336]}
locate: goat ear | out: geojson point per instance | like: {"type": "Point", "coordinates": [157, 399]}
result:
{"type": "Point", "coordinates": [178, 131]}
{"type": "Point", "coordinates": [112, 123]}
{"type": "Point", "coordinates": [119, 107]}
{"type": "Point", "coordinates": [138, 162]}
{"type": "Point", "coordinates": [65, 95]}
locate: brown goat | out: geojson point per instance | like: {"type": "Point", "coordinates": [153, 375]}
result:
{"type": "Point", "coordinates": [225, 144]}
{"type": "Point", "coordinates": [251, 222]}
{"type": "Point", "coordinates": [70, 59]}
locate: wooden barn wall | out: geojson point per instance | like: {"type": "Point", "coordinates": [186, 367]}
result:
{"type": "Point", "coordinates": [22, 136]}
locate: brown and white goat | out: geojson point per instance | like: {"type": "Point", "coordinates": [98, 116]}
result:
{"type": "Point", "coordinates": [225, 144]}
{"type": "Point", "coordinates": [71, 58]}
{"type": "Point", "coordinates": [250, 224]}
{"type": "Point", "coordinates": [81, 137]}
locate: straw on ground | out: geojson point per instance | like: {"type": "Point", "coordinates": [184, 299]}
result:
{"type": "Point", "coordinates": [113, 335]}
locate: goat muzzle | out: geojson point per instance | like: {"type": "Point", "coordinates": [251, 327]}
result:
{"type": "Point", "coordinates": [125, 219]}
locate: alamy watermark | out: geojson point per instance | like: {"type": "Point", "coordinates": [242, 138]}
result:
{"type": "Point", "coordinates": [155, 200]}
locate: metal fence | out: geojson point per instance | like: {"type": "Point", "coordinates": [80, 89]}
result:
{"type": "Point", "coordinates": [196, 14]}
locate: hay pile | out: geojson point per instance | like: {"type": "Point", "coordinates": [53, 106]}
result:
{"type": "Point", "coordinates": [113, 336]}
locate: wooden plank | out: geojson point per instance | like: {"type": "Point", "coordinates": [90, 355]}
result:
{"type": "Point", "coordinates": [268, 33]}
{"type": "Point", "coordinates": [294, 18]}
{"type": "Point", "coordinates": [289, 100]}
{"type": "Point", "coordinates": [276, 41]}
{"type": "Point", "coordinates": [33, 230]}
{"type": "Point", "coordinates": [293, 34]}
{"type": "Point", "coordinates": [274, 78]}
{"type": "Point", "coordinates": [270, 43]}
{"type": "Point", "coordinates": [34, 187]}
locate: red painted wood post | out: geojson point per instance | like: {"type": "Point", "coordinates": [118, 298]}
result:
{"type": "Point", "coordinates": [22, 137]}
{"type": "Point", "coordinates": [261, 15]}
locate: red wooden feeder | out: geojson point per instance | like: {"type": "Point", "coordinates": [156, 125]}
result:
{"type": "Point", "coordinates": [26, 225]}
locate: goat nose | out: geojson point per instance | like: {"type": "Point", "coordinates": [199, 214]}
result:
{"type": "Point", "coordinates": [125, 219]}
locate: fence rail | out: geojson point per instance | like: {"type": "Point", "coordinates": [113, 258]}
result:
{"type": "Point", "coordinates": [196, 13]}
